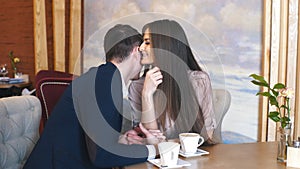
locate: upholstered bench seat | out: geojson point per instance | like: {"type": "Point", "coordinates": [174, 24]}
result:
{"type": "Point", "coordinates": [19, 129]}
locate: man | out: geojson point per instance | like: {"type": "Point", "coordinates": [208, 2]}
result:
{"type": "Point", "coordinates": [84, 127]}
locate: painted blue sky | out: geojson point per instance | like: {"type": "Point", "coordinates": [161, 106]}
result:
{"type": "Point", "coordinates": [225, 35]}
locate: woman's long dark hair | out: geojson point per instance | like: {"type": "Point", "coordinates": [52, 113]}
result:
{"type": "Point", "coordinates": [175, 97]}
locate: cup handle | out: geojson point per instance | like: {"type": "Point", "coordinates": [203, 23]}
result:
{"type": "Point", "coordinates": [201, 142]}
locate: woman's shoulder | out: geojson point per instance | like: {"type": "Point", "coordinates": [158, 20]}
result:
{"type": "Point", "coordinates": [138, 82]}
{"type": "Point", "coordinates": [136, 86]}
{"type": "Point", "coordinates": [197, 75]}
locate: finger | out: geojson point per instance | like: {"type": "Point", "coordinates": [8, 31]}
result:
{"type": "Point", "coordinates": [157, 76]}
{"type": "Point", "coordinates": [122, 139]}
{"type": "Point", "coordinates": [144, 130]}
{"type": "Point", "coordinates": [156, 132]}
{"type": "Point", "coordinates": [132, 132]}
{"type": "Point", "coordinates": [153, 70]}
{"type": "Point", "coordinates": [158, 82]}
{"type": "Point", "coordinates": [133, 141]}
{"type": "Point", "coordinates": [161, 138]}
{"type": "Point", "coordinates": [135, 137]}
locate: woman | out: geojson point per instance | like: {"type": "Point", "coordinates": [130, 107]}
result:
{"type": "Point", "coordinates": [179, 95]}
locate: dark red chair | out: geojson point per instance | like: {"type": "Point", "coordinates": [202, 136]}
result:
{"type": "Point", "coordinates": [50, 85]}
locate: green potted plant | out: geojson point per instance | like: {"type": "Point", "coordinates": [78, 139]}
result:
{"type": "Point", "coordinates": [14, 60]}
{"type": "Point", "coordinates": [279, 96]}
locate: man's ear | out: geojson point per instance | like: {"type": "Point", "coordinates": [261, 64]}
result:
{"type": "Point", "coordinates": [135, 51]}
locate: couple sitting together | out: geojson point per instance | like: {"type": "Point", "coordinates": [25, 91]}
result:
{"type": "Point", "coordinates": [92, 125]}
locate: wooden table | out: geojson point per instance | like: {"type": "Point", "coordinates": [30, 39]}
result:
{"type": "Point", "coordinates": [19, 85]}
{"type": "Point", "coordinates": [13, 89]}
{"type": "Point", "coordinates": [232, 156]}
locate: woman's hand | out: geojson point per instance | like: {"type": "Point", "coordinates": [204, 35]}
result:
{"type": "Point", "coordinates": [152, 80]}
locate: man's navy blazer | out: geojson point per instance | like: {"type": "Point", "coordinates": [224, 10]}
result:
{"type": "Point", "coordinates": [74, 137]}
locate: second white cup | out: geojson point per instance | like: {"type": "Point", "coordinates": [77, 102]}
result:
{"type": "Point", "coordinates": [168, 152]}
{"type": "Point", "coordinates": [190, 142]}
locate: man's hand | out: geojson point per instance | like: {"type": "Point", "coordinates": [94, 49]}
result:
{"type": "Point", "coordinates": [131, 137]}
{"type": "Point", "coordinates": [152, 136]}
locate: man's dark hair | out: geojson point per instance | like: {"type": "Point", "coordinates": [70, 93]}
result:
{"type": "Point", "coordinates": [120, 40]}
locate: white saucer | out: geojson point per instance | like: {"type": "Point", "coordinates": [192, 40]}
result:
{"type": "Point", "coordinates": [199, 152]}
{"type": "Point", "coordinates": [180, 163]}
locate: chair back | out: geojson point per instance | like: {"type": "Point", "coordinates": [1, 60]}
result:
{"type": "Point", "coordinates": [19, 129]}
{"type": "Point", "coordinates": [50, 85]}
{"type": "Point", "coordinates": [221, 102]}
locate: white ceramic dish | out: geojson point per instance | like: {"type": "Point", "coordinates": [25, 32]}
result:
{"type": "Point", "coordinates": [199, 152]}
{"type": "Point", "coordinates": [180, 163]}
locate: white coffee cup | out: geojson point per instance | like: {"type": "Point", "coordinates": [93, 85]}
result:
{"type": "Point", "coordinates": [190, 142]}
{"type": "Point", "coordinates": [168, 152]}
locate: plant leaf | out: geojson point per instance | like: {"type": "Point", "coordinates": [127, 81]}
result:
{"type": "Point", "coordinates": [274, 113]}
{"type": "Point", "coordinates": [285, 119]}
{"type": "Point", "coordinates": [273, 101]}
{"type": "Point", "coordinates": [260, 83]}
{"type": "Point", "coordinates": [279, 86]}
{"type": "Point", "coordinates": [275, 118]}
{"type": "Point", "coordinates": [283, 124]}
{"type": "Point", "coordinates": [275, 92]}
{"type": "Point", "coordinates": [258, 77]}
{"type": "Point", "coordinates": [267, 94]}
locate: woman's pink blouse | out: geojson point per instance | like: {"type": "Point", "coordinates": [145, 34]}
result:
{"type": "Point", "coordinates": [202, 86]}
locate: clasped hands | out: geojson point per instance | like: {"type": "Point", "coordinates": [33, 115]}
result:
{"type": "Point", "coordinates": [151, 137]}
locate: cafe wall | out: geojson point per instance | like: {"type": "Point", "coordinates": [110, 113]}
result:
{"type": "Point", "coordinates": [16, 20]}
{"type": "Point", "coordinates": [225, 36]}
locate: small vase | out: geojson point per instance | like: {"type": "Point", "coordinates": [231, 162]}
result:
{"type": "Point", "coordinates": [15, 71]}
{"type": "Point", "coordinates": [17, 74]}
{"type": "Point", "coordinates": [284, 142]}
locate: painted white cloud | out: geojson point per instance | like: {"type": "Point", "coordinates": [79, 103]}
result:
{"type": "Point", "coordinates": [179, 8]}
{"type": "Point", "coordinates": [244, 18]}
{"type": "Point", "coordinates": [126, 8]}
{"type": "Point", "coordinates": [209, 25]}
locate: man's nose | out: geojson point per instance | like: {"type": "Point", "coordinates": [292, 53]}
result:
{"type": "Point", "coordinates": [142, 47]}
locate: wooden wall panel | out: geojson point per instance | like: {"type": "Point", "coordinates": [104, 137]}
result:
{"type": "Point", "coordinates": [75, 62]}
{"type": "Point", "coordinates": [297, 96]}
{"type": "Point", "coordinates": [40, 36]}
{"type": "Point", "coordinates": [59, 34]}
{"type": "Point", "coordinates": [297, 88]}
{"type": "Point", "coordinates": [292, 52]}
{"type": "Point", "coordinates": [263, 104]}
{"type": "Point", "coordinates": [57, 30]}
{"type": "Point", "coordinates": [282, 59]}
{"type": "Point", "coordinates": [275, 43]}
